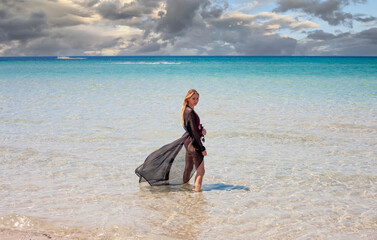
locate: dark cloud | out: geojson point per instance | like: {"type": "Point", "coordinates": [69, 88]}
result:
{"type": "Point", "coordinates": [370, 35]}
{"type": "Point", "coordinates": [363, 43]}
{"type": "Point", "coordinates": [238, 34]}
{"type": "Point", "coordinates": [116, 10]}
{"type": "Point", "coordinates": [89, 3]}
{"type": "Point", "coordinates": [10, 3]}
{"type": "Point", "coordinates": [111, 11]}
{"type": "Point", "coordinates": [3, 13]}
{"type": "Point", "coordinates": [213, 12]}
{"type": "Point", "coordinates": [56, 14]}
{"type": "Point", "coordinates": [37, 47]}
{"type": "Point", "coordinates": [364, 18]}
{"type": "Point", "coordinates": [151, 47]}
{"type": "Point", "coordinates": [213, 9]}
{"type": "Point", "coordinates": [270, 45]}
{"type": "Point", "coordinates": [62, 42]}
{"type": "Point", "coordinates": [178, 17]}
{"type": "Point", "coordinates": [329, 10]}
{"type": "Point", "coordinates": [320, 35]}
{"type": "Point", "coordinates": [252, 41]}
{"type": "Point", "coordinates": [22, 29]}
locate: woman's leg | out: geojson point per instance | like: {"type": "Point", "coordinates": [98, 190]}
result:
{"type": "Point", "coordinates": [188, 168]}
{"type": "Point", "coordinates": [200, 171]}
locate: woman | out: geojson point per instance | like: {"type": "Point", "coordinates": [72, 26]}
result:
{"type": "Point", "coordinates": [195, 151]}
{"type": "Point", "coordinates": [172, 164]}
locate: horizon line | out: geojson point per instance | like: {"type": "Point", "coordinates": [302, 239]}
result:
{"type": "Point", "coordinates": [187, 56]}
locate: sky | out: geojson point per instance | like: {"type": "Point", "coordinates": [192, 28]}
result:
{"type": "Point", "coordinates": [188, 27]}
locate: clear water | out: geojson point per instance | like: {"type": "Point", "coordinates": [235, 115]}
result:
{"type": "Point", "coordinates": [292, 147]}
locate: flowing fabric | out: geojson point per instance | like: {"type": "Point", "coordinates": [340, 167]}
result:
{"type": "Point", "coordinates": [165, 165]}
{"type": "Point", "coordinates": [174, 164]}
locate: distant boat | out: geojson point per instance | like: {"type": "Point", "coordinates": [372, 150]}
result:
{"type": "Point", "coordinates": [63, 57]}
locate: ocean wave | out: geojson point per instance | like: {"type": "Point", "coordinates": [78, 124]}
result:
{"type": "Point", "coordinates": [151, 63]}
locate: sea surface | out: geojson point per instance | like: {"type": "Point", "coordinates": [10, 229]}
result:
{"type": "Point", "coordinates": [291, 142]}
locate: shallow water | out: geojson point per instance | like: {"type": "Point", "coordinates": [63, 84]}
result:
{"type": "Point", "coordinates": [291, 147]}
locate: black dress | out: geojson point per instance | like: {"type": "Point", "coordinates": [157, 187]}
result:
{"type": "Point", "coordinates": [172, 163]}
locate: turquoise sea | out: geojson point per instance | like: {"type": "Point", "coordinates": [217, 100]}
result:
{"type": "Point", "coordinates": [291, 142]}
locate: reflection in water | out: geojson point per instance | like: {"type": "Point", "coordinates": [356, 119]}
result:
{"type": "Point", "coordinates": [174, 211]}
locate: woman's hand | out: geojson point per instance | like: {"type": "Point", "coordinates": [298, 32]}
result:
{"type": "Point", "coordinates": [204, 132]}
{"type": "Point", "coordinates": [204, 153]}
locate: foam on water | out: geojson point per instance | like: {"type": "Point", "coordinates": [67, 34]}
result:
{"type": "Point", "coordinates": [291, 144]}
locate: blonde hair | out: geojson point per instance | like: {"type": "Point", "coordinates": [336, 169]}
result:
{"type": "Point", "coordinates": [189, 94]}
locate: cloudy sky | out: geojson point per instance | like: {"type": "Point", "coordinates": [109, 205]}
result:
{"type": "Point", "coordinates": [188, 27]}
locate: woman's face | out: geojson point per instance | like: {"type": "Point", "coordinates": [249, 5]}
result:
{"type": "Point", "coordinates": [193, 100]}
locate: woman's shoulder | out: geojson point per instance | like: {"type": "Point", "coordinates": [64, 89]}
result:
{"type": "Point", "coordinates": [189, 113]}
{"type": "Point", "coordinates": [188, 110]}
